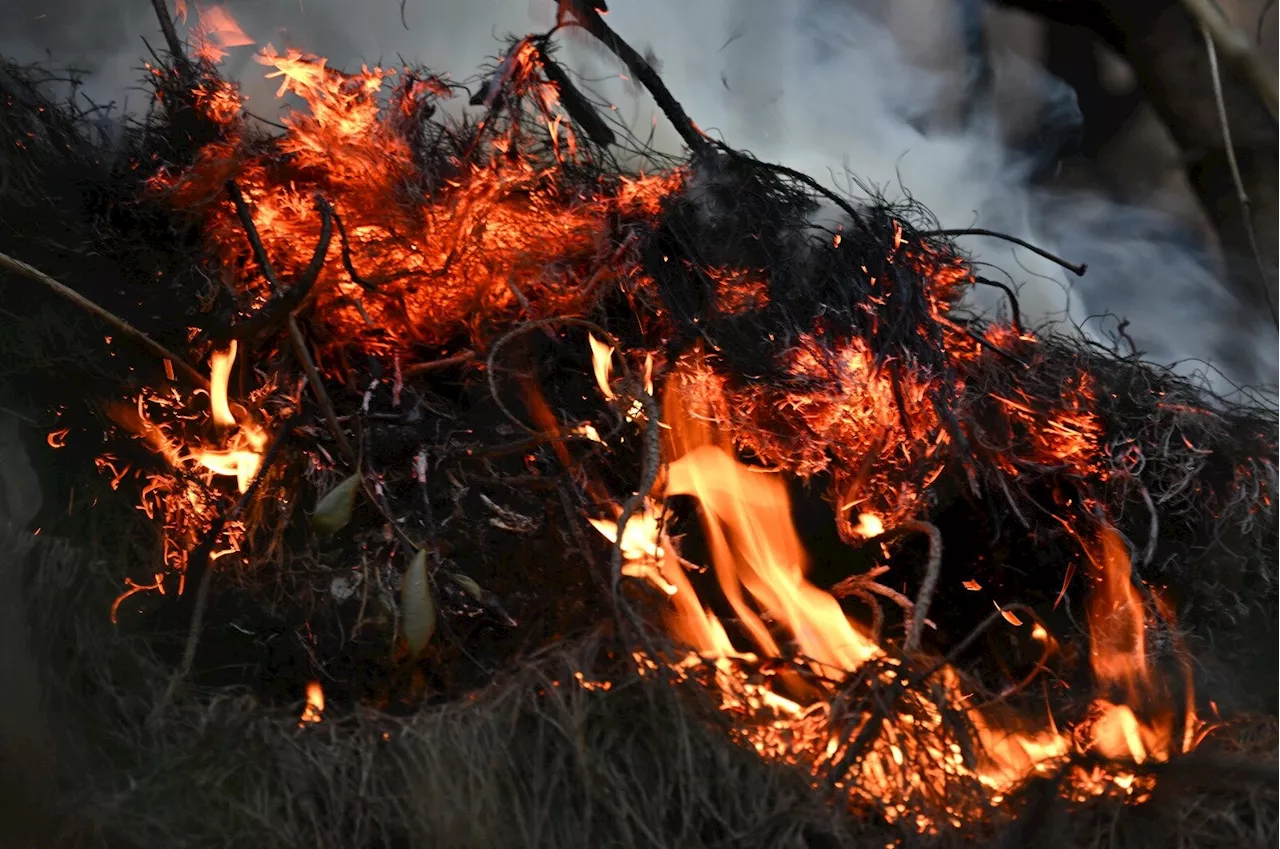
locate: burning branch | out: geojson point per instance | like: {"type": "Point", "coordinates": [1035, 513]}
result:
{"type": "Point", "coordinates": [282, 307]}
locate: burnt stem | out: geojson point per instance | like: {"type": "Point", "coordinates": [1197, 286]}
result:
{"type": "Point", "coordinates": [282, 303]}
{"type": "Point", "coordinates": [1077, 269]}
{"type": "Point", "coordinates": [642, 72]}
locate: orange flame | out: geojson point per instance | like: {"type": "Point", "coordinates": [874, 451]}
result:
{"type": "Point", "coordinates": [760, 565]}
{"type": "Point", "coordinates": [315, 704]}
{"type": "Point", "coordinates": [215, 32]}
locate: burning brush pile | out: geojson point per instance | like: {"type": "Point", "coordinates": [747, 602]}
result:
{"type": "Point", "coordinates": [404, 400]}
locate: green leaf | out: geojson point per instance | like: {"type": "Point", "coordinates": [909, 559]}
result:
{"type": "Point", "coordinates": [417, 607]}
{"type": "Point", "coordinates": [334, 510]}
{"type": "Point", "coordinates": [469, 586]}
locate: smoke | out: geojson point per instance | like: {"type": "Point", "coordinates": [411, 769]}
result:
{"type": "Point", "coordinates": [852, 93]}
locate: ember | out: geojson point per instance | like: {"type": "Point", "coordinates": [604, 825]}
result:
{"type": "Point", "coordinates": [446, 338]}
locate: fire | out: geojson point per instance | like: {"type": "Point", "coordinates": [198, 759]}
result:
{"type": "Point", "coordinates": [215, 32]}
{"type": "Point", "coordinates": [315, 704]}
{"type": "Point", "coordinates": [182, 496]}
{"type": "Point", "coordinates": [500, 231]}
{"type": "Point", "coordinates": [502, 226]}
{"type": "Point", "coordinates": [760, 564]}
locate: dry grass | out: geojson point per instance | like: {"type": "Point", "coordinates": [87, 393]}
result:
{"type": "Point", "coordinates": [525, 763]}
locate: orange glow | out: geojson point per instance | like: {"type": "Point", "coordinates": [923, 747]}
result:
{"type": "Point", "coordinates": [760, 566]}
{"type": "Point", "coordinates": [602, 364]}
{"type": "Point", "coordinates": [315, 704]}
{"type": "Point", "coordinates": [197, 447]}
{"type": "Point", "coordinates": [484, 243]}
{"type": "Point", "coordinates": [215, 32]}
{"type": "Point", "coordinates": [504, 231]}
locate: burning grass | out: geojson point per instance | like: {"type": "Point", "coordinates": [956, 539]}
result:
{"type": "Point", "coordinates": [461, 344]}
{"type": "Point", "coordinates": [523, 763]}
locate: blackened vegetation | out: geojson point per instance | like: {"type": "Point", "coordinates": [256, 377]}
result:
{"type": "Point", "coordinates": [1189, 478]}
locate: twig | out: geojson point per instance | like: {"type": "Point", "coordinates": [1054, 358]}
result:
{"type": "Point", "coordinates": [650, 464]}
{"type": "Point", "coordinates": [920, 610]}
{"type": "Point", "coordinates": [282, 302]}
{"type": "Point", "coordinates": [346, 256]}
{"type": "Point", "coordinates": [1246, 208]}
{"type": "Point", "coordinates": [1235, 46]}
{"type": "Point", "coordinates": [124, 327]}
{"type": "Point", "coordinates": [642, 72]}
{"type": "Point", "coordinates": [1149, 551]}
{"type": "Point", "coordinates": [1013, 299]}
{"type": "Point", "coordinates": [522, 329]}
{"type": "Point", "coordinates": [983, 341]}
{"type": "Point", "coordinates": [804, 178]}
{"type": "Point", "coordinates": [317, 389]}
{"type": "Point", "coordinates": [1077, 270]}
{"type": "Point", "coordinates": [203, 550]}
{"type": "Point", "coordinates": [443, 363]}
{"type": "Point", "coordinates": [285, 304]}
{"type": "Point", "coordinates": [251, 233]}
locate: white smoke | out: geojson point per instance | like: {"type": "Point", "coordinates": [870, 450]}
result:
{"type": "Point", "coordinates": [839, 89]}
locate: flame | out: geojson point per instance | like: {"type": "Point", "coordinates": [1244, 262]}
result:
{"type": "Point", "coordinates": [182, 496]}
{"type": "Point", "coordinates": [220, 363]}
{"type": "Point", "coordinates": [506, 232]}
{"type": "Point", "coordinates": [760, 563]}
{"type": "Point", "coordinates": [315, 704]}
{"type": "Point", "coordinates": [1122, 669]}
{"type": "Point", "coordinates": [215, 32]}
{"type": "Point", "coordinates": [242, 457]}
{"type": "Point", "coordinates": [602, 365]}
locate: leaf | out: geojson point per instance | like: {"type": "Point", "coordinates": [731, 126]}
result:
{"type": "Point", "coordinates": [469, 586]}
{"type": "Point", "coordinates": [416, 604]}
{"type": "Point", "coordinates": [334, 510]}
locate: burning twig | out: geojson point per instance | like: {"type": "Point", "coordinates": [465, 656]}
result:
{"type": "Point", "coordinates": [983, 341]}
{"type": "Point", "coordinates": [1015, 312]}
{"type": "Point", "coordinates": [933, 567]}
{"type": "Point", "coordinates": [577, 106]}
{"type": "Point", "coordinates": [346, 255]}
{"type": "Point", "coordinates": [285, 304]}
{"type": "Point", "coordinates": [127, 329]}
{"type": "Point", "coordinates": [650, 464]}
